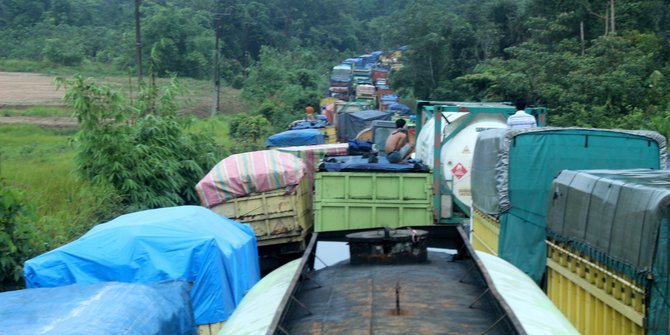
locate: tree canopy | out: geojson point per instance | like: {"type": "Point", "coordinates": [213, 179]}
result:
{"type": "Point", "coordinates": [598, 63]}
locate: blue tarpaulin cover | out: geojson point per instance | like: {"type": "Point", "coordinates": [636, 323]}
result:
{"type": "Point", "coordinates": [400, 108]}
{"type": "Point", "coordinates": [363, 164]}
{"type": "Point", "coordinates": [291, 138]}
{"type": "Point", "coordinates": [218, 256]}
{"type": "Point", "coordinates": [103, 309]}
{"type": "Point", "coordinates": [389, 97]}
{"type": "Point", "coordinates": [320, 123]}
{"type": "Point", "coordinates": [359, 147]}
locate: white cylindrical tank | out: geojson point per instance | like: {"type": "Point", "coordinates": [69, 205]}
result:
{"type": "Point", "coordinates": [456, 154]}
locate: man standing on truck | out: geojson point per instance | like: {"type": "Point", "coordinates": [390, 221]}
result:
{"type": "Point", "coordinates": [397, 146]}
{"type": "Point", "coordinates": [521, 119]}
{"type": "Point", "coordinates": [309, 112]}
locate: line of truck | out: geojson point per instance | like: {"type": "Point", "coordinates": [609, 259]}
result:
{"type": "Point", "coordinates": [503, 182]}
{"type": "Point", "coordinates": [594, 241]}
{"type": "Point", "coordinates": [365, 79]}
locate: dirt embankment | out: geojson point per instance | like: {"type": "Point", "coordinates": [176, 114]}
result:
{"type": "Point", "coordinates": [28, 89]}
{"type": "Point", "coordinates": [52, 122]}
{"type": "Point", "coordinates": [19, 90]}
{"type": "Point", "coordinates": [22, 90]}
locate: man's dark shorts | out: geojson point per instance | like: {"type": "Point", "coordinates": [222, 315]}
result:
{"type": "Point", "coordinates": [396, 156]}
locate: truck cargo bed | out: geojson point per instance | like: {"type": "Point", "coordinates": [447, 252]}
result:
{"type": "Point", "coordinates": [448, 294]}
{"type": "Point", "coordinates": [275, 216]}
{"type": "Point", "coordinates": [362, 300]}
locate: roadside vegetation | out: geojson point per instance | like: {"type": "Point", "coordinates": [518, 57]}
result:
{"type": "Point", "coordinates": [144, 145]}
{"type": "Point", "coordinates": [43, 204]}
{"type": "Point", "coordinates": [57, 183]}
{"type": "Point", "coordinates": [36, 111]}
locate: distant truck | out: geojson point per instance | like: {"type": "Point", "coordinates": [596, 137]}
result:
{"type": "Point", "coordinates": [366, 93]}
{"type": "Point", "coordinates": [368, 60]}
{"type": "Point", "coordinates": [379, 73]}
{"type": "Point", "coordinates": [341, 81]}
{"type": "Point", "coordinates": [385, 97]}
{"type": "Point", "coordinates": [362, 77]}
{"type": "Point", "coordinates": [356, 62]}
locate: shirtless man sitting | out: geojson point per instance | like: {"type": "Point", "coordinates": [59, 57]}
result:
{"type": "Point", "coordinates": [397, 146]}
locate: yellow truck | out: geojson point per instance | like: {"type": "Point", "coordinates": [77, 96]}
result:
{"type": "Point", "coordinates": [269, 190]}
{"type": "Point", "coordinates": [512, 174]}
{"type": "Point", "coordinates": [608, 248]}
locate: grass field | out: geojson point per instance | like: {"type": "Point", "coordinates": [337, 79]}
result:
{"type": "Point", "coordinates": [39, 161]}
{"type": "Point", "coordinates": [38, 155]}
{"type": "Point", "coordinates": [36, 111]}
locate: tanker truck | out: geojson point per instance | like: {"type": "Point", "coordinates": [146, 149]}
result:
{"type": "Point", "coordinates": [449, 153]}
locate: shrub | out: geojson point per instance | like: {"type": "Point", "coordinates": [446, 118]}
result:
{"type": "Point", "coordinates": [248, 131]}
{"type": "Point", "coordinates": [143, 151]}
{"type": "Point", "coordinates": [63, 52]}
{"type": "Point", "coordinates": [16, 238]}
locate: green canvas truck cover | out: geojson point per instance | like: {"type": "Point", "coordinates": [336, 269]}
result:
{"type": "Point", "coordinates": [620, 219]}
{"type": "Point", "coordinates": [522, 163]}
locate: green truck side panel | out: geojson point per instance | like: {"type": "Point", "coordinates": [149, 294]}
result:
{"type": "Point", "coordinates": [360, 200]}
{"type": "Point", "coordinates": [375, 187]}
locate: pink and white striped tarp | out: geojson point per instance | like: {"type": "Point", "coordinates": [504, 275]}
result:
{"type": "Point", "coordinates": [250, 172]}
{"type": "Point", "coordinates": [311, 155]}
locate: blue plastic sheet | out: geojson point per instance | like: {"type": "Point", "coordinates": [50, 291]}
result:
{"type": "Point", "coordinates": [389, 97]}
{"type": "Point", "coordinates": [319, 123]}
{"type": "Point", "coordinates": [400, 108]}
{"type": "Point", "coordinates": [103, 308]}
{"type": "Point", "coordinates": [364, 164]}
{"type": "Point", "coordinates": [359, 147]}
{"type": "Point", "coordinates": [291, 138]}
{"type": "Point", "coordinates": [218, 256]}
{"type": "Point", "coordinates": [357, 61]}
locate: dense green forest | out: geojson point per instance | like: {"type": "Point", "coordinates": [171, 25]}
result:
{"type": "Point", "coordinates": [593, 63]}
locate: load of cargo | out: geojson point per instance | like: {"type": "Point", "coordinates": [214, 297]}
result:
{"type": "Point", "coordinates": [216, 256]}
{"type": "Point", "coordinates": [265, 189]}
{"type": "Point", "coordinates": [607, 267]}
{"type": "Point", "coordinates": [102, 308]}
{"type": "Point", "coordinates": [295, 137]}
{"type": "Point", "coordinates": [350, 124]}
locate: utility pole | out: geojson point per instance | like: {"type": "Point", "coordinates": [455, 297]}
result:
{"type": "Point", "coordinates": [582, 43]}
{"type": "Point", "coordinates": [613, 17]}
{"type": "Point", "coordinates": [138, 43]}
{"type": "Point", "coordinates": [217, 76]}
